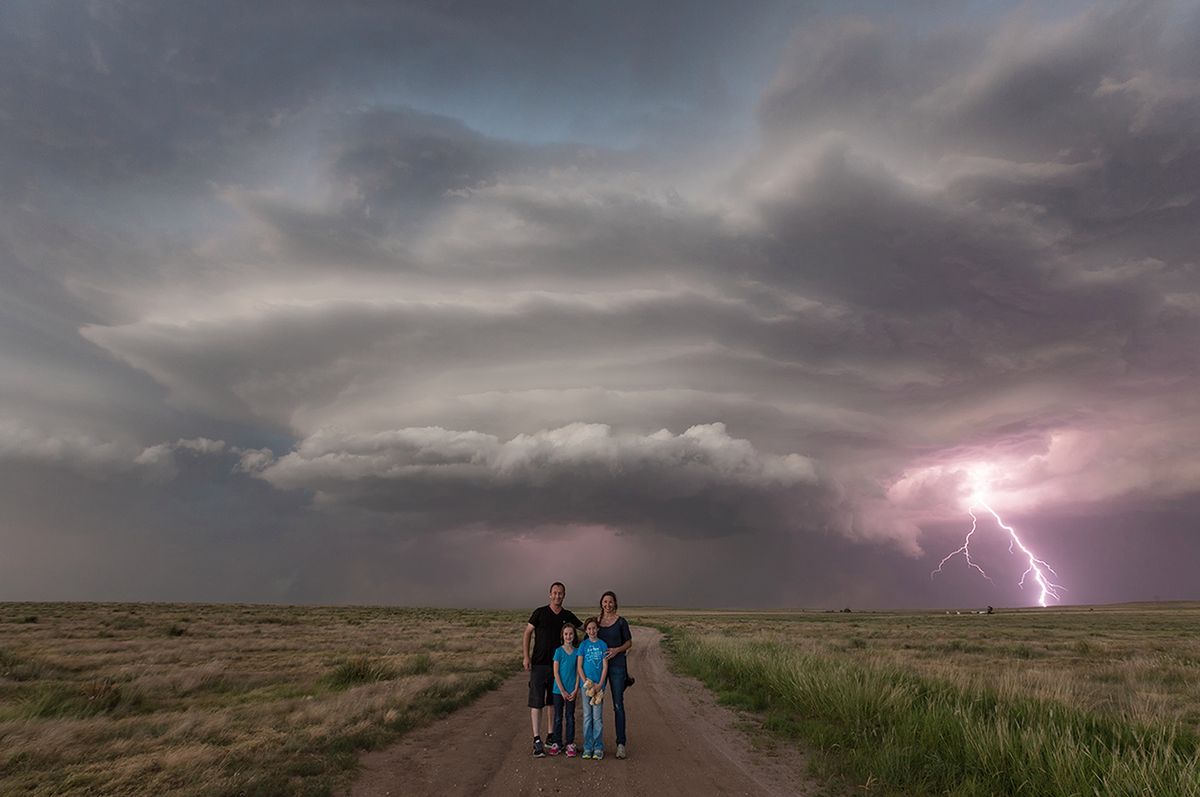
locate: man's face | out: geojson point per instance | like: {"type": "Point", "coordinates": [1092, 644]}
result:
{"type": "Point", "coordinates": [557, 593]}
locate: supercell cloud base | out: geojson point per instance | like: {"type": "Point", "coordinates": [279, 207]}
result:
{"type": "Point", "coordinates": [429, 304]}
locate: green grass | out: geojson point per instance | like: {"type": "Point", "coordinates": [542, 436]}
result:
{"type": "Point", "coordinates": [898, 732]}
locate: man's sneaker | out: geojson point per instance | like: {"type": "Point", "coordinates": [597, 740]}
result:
{"type": "Point", "coordinates": [620, 751]}
{"type": "Point", "coordinates": [571, 751]}
{"type": "Point", "coordinates": [552, 748]}
{"type": "Point", "coordinates": [538, 750]}
{"type": "Point", "coordinates": [596, 756]}
{"type": "Point", "coordinates": [587, 754]}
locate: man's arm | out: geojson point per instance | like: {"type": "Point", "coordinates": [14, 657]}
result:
{"type": "Point", "coordinates": [525, 643]}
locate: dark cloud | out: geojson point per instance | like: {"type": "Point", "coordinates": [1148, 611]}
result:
{"type": "Point", "coordinates": [699, 483]}
{"type": "Point", "coordinates": [854, 233]}
{"type": "Point", "coordinates": [125, 90]}
{"type": "Point", "coordinates": [436, 274]}
{"type": "Point", "coordinates": [404, 162]}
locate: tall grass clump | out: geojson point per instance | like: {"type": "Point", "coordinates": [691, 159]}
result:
{"type": "Point", "coordinates": [915, 734]}
{"type": "Point", "coordinates": [359, 670]}
{"type": "Point", "coordinates": [100, 696]}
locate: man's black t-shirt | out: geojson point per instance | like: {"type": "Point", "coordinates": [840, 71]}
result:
{"type": "Point", "coordinates": [547, 632]}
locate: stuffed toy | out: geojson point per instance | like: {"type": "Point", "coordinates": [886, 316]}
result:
{"type": "Point", "coordinates": [593, 691]}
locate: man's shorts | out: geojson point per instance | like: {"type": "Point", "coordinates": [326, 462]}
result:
{"type": "Point", "coordinates": [541, 680]}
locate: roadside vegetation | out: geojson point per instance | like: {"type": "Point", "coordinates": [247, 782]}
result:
{"type": "Point", "coordinates": [1031, 703]}
{"type": "Point", "coordinates": [154, 699]}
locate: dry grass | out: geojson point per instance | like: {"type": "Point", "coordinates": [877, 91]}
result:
{"type": "Point", "coordinates": [152, 699]}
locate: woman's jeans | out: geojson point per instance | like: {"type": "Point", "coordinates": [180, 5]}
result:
{"type": "Point", "coordinates": [593, 725]}
{"type": "Point", "coordinates": [616, 685]}
{"type": "Point", "coordinates": [564, 720]}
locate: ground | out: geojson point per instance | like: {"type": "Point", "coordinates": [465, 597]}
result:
{"type": "Point", "coordinates": [680, 742]}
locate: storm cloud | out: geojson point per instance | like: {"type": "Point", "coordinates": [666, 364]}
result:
{"type": "Point", "coordinates": [755, 291]}
{"type": "Point", "coordinates": [698, 483]}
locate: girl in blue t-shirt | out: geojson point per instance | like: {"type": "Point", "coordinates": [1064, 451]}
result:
{"type": "Point", "coordinates": [593, 667]}
{"type": "Point", "coordinates": [565, 690]}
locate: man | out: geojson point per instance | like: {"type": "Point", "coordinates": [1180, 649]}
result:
{"type": "Point", "coordinates": [545, 629]}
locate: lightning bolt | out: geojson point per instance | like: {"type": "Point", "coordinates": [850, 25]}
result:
{"type": "Point", "coordinates": [1037, 567]}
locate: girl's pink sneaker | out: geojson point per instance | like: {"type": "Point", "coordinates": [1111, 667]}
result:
{"type": "Point", "coordinates": [571, 752]}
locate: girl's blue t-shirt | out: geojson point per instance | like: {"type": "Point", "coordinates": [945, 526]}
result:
{"type": "Point", "coordinates": [567, 668]}
{"type": "Point", "coordinates": [593, 658]}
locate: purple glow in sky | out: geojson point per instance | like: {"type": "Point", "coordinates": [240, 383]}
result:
{"type": "Point", "coordinates": [1037, 571]}
{"type": "Point", "coordinates": [707, 303]}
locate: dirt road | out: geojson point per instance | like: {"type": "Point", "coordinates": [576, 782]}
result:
{"type": "Point", "coordinates": [680, 742]}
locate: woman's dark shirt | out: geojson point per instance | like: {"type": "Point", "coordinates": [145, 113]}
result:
{"type": "Point", "coordinates": [615, 635]}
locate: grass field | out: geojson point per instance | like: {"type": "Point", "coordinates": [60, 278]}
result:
{"type": "Point", "coordinates": [154, 699]}
{"type": "Point", "coordinates": [1036, 702]}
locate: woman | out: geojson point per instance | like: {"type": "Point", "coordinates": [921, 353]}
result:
{"type": "Point", "coordinates": [614, 630]}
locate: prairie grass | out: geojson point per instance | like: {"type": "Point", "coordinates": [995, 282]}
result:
{"type": "Point", "coordinates": [1047, 702]}
{"type": "Point", "coordinates": [154, 699]}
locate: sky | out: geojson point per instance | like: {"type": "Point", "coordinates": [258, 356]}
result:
{"type": "Point", "coordinates": [711, 304]}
